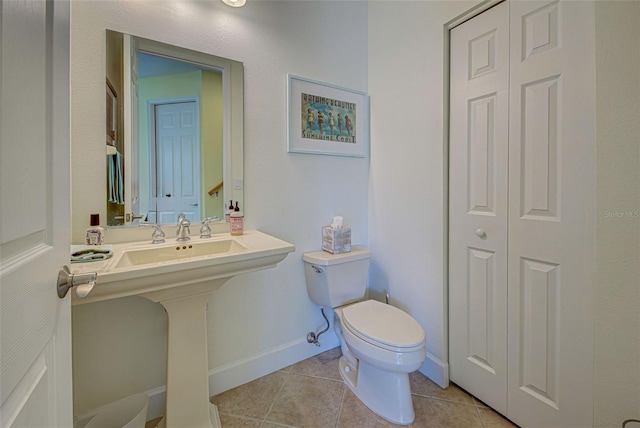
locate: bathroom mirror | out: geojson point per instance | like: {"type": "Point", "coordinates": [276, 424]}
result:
{"type": "Point", "coordinates": [174, 132]}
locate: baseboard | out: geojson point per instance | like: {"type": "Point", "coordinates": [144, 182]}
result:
{"type": "Point", "coordinates": [229, 376]}
{"type": "Point", "coordinates": [239, 372]}
{"type": "Point", "coordinates": [436, 370]}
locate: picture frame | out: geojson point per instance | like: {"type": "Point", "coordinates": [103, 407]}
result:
{"type": "Point", "coordinates": [326, 119]}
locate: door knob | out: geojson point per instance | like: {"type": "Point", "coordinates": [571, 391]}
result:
{"type": "Point", "coordinates": [194, 205]}
{"type": "Point", "coordinates": [481, 233]}
{"type": "Point", "coordinates": [83, 282]}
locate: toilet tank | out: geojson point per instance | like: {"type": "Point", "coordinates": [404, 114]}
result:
{"type": "Point", "coordinates": [337, 279]}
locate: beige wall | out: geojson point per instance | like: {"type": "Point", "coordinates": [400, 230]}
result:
{"type": "Point", "coordinates": [212, 150]}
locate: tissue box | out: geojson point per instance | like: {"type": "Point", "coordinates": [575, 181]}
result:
{"type": "Point", "coordinates": [336, 241]}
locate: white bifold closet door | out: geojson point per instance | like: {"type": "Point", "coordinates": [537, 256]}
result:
{"type": "Point", "coordinates": [522, 177]}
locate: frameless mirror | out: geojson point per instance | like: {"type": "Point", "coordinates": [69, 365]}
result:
{"type": "Point", "coordinates": [174, 132]}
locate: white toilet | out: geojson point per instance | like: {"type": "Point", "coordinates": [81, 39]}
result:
{"type": "Point", "coordinates": [380, 343]}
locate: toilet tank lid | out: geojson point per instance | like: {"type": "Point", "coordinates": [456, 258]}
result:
{"type": "Point", "coordinates": [324, 258]}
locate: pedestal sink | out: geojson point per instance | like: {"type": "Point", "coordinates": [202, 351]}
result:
{"type": "Point", "coordinates": [181, 277]}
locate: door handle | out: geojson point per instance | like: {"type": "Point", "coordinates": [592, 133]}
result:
{"type": "Point", "coordinates": [481, 233]}
{"type": "Point", "coordinates": [83, 282]}
{"type": "Point", "coordinates": [194, 205]}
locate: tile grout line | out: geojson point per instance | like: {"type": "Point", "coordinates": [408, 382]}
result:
{"type": "Point", "coordinates": [275, 398]}
{"type": "Point", "coordinates": [318, 377]}
{"type": "Point", "coordinates": [344, 393]}
{"type": "Point", "coordinates": [484, 424]}
{"type": "Point", "coordinates": [444, 399]}
{"type": "Point", "coordinates": [244, 418]}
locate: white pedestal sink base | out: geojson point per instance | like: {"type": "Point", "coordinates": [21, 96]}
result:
{"type": "Point", "coordinates": [213, 416]}
{"type": "Point", "coordinates": [182, 283]}
{"type": "Point", "coordinates": [187, 360]}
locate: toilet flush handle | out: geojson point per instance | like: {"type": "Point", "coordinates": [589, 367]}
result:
{"type": "Point", "coordinates": [317, 269]}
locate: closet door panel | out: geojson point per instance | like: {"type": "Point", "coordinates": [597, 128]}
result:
{"type": "Point", "coordinates": [551, 214]}
{"type": "Point", "coordinates": [478, 206]}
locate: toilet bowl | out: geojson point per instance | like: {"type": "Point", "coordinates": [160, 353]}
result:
{"type": "Point", "coordinates": [383, 345]}
{"type": "Point", "coordinates": [380, 343]}
{"type": "Point", "coordinates": [128, 412]}
{"type": "Point", "coordinates": [383, 335]}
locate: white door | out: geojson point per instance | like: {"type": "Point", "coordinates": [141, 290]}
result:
{"type": "Point", "coordinates": [478, 205]}
{"type": "Point", "coordinates": [550, 221]}
{"type": "Point", "coordinates": [177, 162]}
{"type": "Point", "coordinates": [35, 325]}
{"type": "Point", "coordinates": [551, 214]}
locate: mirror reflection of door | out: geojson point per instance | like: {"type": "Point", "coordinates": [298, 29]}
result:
{"type": "Point", "coordinates": [179, 138]}
{"type": "Point", "coordinates": [175, 155]}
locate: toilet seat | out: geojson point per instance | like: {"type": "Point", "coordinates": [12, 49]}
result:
{"type": "Point", "coordinates": [384, 326]}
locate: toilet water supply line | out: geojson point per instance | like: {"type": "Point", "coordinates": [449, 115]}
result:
{"type": "Point", "coordinates": [313, 338]}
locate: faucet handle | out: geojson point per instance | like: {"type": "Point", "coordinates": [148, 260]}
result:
{"type": "Point", "coordinates": [205, 230]}
{"type": "Point", "coordinates": [158, 234]}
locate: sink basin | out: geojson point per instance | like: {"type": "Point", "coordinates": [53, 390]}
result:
{"type": "Point", "coordinates": [174, 269]}
{"type": "Point", "coordinates": [177, 252]}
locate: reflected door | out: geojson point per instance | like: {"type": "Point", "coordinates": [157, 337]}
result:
{"type": "Point", "coordinates": [177, 163]}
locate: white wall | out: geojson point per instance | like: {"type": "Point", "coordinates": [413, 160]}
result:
{"type": "Point", "coordinates": [617, 357]}
{"type": "Point", "coordinates": [407, 222]}
{"type": "Point", "coordinates": [260, 319]}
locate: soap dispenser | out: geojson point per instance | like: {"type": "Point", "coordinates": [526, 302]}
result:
{"type": "Point", "coordinates": [227, 215]}
{"type": "Point", "coordinates": [237, 221]}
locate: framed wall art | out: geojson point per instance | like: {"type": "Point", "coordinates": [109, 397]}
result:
{"type": "Point", "coordinates": [326, 119]}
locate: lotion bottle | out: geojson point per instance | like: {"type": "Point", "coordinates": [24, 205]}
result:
{"type": "Point", "coordinates": [237, 221]}
{"type": "Point", "coordinates": [95, 233]}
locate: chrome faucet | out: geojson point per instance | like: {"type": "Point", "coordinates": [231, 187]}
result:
{"type": "Point", "coordinates": [158, 235]}
{"type": "Point", "coordinates": [205, 230]}
{"type": "Point", "coordinates": [183, 230]}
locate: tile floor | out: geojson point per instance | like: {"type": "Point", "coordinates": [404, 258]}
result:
{"type": "Point", "coordinates": [311, 393]}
